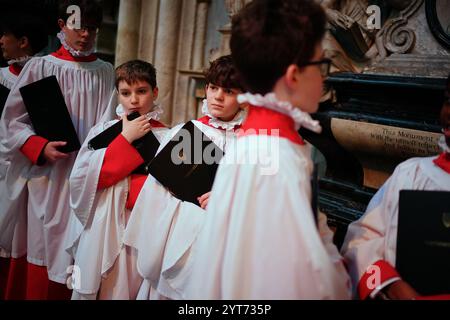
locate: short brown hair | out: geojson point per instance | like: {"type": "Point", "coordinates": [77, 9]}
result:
{"type": "Point", "coordinates": [223, 73]}
{"type": "Point", "coordinates": [136, 70]}
{"type": "Point", "coordinates": [91, 11]}
{"type": "Point", "coordinates": [269, 35]}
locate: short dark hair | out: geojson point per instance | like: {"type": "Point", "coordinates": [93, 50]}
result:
{"type": "Point", "coordinates": [136, 70]}
{"type": "Point", "coordinates": [91, 11]}
{"type": "Point", "coordinates": [223, 73]}
{"type": "Point", "coordinates": [30, 26]}
{"type": "Point", "coordinates": [269, 35]}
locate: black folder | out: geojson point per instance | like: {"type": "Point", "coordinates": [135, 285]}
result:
{"type": "Point", "coordinates": [146, 146]}
{"type": "Point", "coordinates": [48, 112]}
{"type": "Point", "coordinates": [4, 92]}
{"type": "Point", "coordinates": [187, 165]}
{"type": "Point", "coordinates": [423, 241]}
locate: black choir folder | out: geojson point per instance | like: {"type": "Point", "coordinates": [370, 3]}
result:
{"type": "Point", "coordinates": [48, 113]}
{"type": "Point", "coordinates": [187, 165]}
{"type": "Point", "coordinates": [423, 241]}
{"type": "Point", "coordinates": [146, 146]}
{"type": "Point", "coordinates": [4, 92]}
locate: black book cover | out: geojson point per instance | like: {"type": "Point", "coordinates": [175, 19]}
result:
{"type": "Point", "coordinates": [187, 165]}
{"type": "Point", "coordinates": [423, 241]}
{"type": "Point", "coordinates": [146, 146]}
{"type": "Point", "coordinates": [48, 112]}
{"type": "Point", "coordinates": [4, 92]}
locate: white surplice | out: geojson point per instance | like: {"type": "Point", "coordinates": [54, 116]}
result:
{"type": "Point", "coordinates": [374, 236]}
{"type": "Point", "coordinates": [99, 219]}
{"type": "Point", "coordinates": [259, 239]}
{"type": "Point", "coordinates": [163, 228]}
{"type": "Point", "coordinates": [87, 88]}
{"type": "Point", "coordinates": [13, 207]}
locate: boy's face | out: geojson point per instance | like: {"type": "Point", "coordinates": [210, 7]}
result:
{"type": "Point", "coordinates": [308, 90]}
{"type": "Point", "coordinates": [79, 39]}
{"type": "Point", "coordinates": [138, 96]}
{"type": "Point", "coordinates": [12, 47]}
{"type": "Point", "coordinates": [222, 102]}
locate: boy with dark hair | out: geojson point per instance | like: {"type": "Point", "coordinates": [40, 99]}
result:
{"type": "Point", "coordinates": [163, 228]}
{"type": "Point", "coordinates": [107, 267]}
{"type": "Point", "coordinates": [20, 39]}
{"type": "Point", "coordinates": [260, 239]}
{"type": "Point", "coordinates": [36, 163]}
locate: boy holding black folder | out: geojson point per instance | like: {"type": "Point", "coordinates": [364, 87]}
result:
{"type": "Point", "coordinates": [162, 226]}
{"type": "Point", "coordinates": [21, 37]}
{"type": "Point", "coordinates": [105, 182]}
{"type": "Point", "coordinates": [370, 247]}
{"type": "Point", "coordinates": [260, 239]}
{"type": "Point", "coordinates": [86, 83]}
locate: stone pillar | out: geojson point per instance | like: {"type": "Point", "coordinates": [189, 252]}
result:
{"type": "Point", "coordinates": [200, 34]}
{"type": "Point", "coordinates": [149, 24]}
{"type": "Point", "coordinates": [233, 7]}
{"type": "Point", "coordinates": [166, 52]}
{"type": "Point", "coordinates": [128, 31]}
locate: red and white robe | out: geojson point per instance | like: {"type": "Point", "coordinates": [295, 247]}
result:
{"type": "Point", "coordinates": [259, 239]}
{"type": "Point", "coordinates": [12, 249]}
{"type": "Point", "coordinates": [163, 228]}
{"type": "Point", "coordinates": [103, 192]}
{"type": "Point", "coordinates": [87, 84]}
{"type": "Point", "coordinates": [372, 240]}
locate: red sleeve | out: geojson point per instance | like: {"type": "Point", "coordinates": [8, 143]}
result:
{"type": "Point", "coordinates": [121, 158]}
{"type": "Point", "coordinates": [33, 147]}
{"type": "Point", "coordinates": [375, 277]}
{"type": "Point", "coordinates": [137, 182]}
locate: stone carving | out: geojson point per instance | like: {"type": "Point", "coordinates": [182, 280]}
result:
{"type": "Point", "coordinates": [234, 6]}
{"type": "Point", "coordinates": [395, 35]}
{"type": "Point", "coordinates": [352, 45]}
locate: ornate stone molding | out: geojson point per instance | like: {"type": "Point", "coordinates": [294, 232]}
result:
{"type": "Point", "coordinates": [396, 36]}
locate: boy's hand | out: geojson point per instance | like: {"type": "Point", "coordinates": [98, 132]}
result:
{"type": "Point", "coordinates": [204, 200]}
{"type": "Point", "coordinates": [400, 290]}
{"type": "Point", "coordinates": [51, 152]}
{"type": "Point", "coordinates": [133, 130]}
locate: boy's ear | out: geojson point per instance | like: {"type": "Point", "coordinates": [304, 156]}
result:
{"type": "Point", "coordinates": [155, 93]}
{"type": "Point", "coordinates": [292, 75]}
{"type": "Point", "coordinates": [24, 43]}
{"type": "Point", "coordinates": [61, 23]}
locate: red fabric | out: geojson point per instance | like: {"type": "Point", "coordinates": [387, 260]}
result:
{"type": "Point", "coordinates": [265, 119]}
{"type": "Point", "coordinates": [115, 165]}
{"type": "Point", "coordinates": [37, 282]}
{"type": "Point", "coordinates": [4, 270]}
{"type": "Point", "coordinates": [58, 291]}
{"type": "Point", "coordinates": [443, 162]}
{"type": "Point", "coordinates": [17, 279]}
{"type": "Point", "coordinates": [64, 54]}
{"type": "Point", "coordinates": [387, 272]}
{"type": "Point", "coordinates": [39, 287]}
{"type": "Point", "coordinates": [33, 148]}
{"type": "Point", "coordinates": [156, 124]}
{"type": "Point", "coordinates": [15, 69]}
{"type": "Point", "coordinates": [205, 121]}
{"type": "Point", "coordinates": [137, 182]}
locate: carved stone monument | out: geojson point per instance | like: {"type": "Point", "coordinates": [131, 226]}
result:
{"type": "Point", "coordinates": [386, 96]}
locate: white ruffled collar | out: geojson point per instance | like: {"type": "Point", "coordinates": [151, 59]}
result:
{"type": "Point", "coordinates": [75, 53]}
{"type": "Point", "coordinates": [270, 101]}
{"type": "Point", "coordinates": [238, 119]}
{"type": "Point", "coordinates": [155, 114]}
{"type": "Point", "coordinates": [20, 61]}
{"type": "Point", "coordinates": [443, 145]}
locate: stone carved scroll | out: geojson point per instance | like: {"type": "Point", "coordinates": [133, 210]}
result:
{"type": "Point", "coordinates": [396, 36]}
